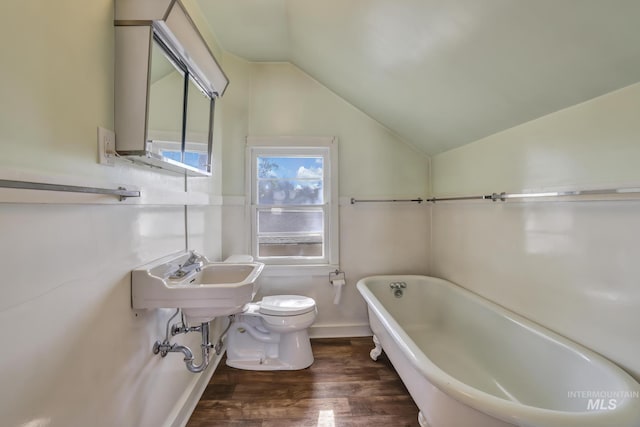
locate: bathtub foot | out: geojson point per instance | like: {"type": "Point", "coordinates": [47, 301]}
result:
{"type": "Point", "coordinates": [377, 351]}
{"type": "Point", "coordinates": [422, 420]}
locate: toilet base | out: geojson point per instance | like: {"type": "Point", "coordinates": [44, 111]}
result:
{"type": "Point", "coordinates": [289, 352]}
{"type": "Point", "coordinates": [264, 365]}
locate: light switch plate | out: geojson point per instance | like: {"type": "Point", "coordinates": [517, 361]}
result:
{"type": "Point", "coordinates": [106, 147]}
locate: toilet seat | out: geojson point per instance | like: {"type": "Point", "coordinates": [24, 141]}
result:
{"type": "Point", "coordinates": [286, 305]}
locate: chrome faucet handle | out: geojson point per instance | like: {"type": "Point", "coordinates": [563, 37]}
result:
{"type": "Point", "coordinates": [195, 258]}
{"type": "Point", "coordinates": [194, 262]}
{"type": "Point", "coordinates": [398, 285]}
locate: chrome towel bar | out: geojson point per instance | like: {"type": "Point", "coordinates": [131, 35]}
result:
{"type": "Point", "coordinates": [120, 192]}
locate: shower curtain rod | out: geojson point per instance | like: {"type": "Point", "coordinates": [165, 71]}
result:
{"type": "Point", "coordinates": [418, 200]}
{"type": "Point", "coordinates": [503, 197]}
{"type": "Point", "coordinates": [602, 192]}
{"type": "Point", "coordinates": [121, 192]}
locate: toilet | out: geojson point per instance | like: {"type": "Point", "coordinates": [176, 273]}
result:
{"type": "Point", "coordinates": [272, 334]}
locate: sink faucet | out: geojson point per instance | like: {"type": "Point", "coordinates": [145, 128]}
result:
{"type": "Point", "coordinates": [194, 262]}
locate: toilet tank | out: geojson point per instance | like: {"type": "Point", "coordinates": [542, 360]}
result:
{"type": "Point", "coordinates": [240, 258]}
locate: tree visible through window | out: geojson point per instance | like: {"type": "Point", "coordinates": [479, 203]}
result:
{"type": "Point", "coordinates": [290, 180]}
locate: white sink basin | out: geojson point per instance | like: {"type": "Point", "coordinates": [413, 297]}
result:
{"type": "Point", "coordinates": [212, 290]}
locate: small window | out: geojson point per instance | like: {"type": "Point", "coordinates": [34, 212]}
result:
{"type": "Point", "coordinates": [293, 200]}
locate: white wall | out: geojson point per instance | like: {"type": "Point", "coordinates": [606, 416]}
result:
{"type": "Point", "coordinates": [75, 354]}
{"type": "Point", "coordinates": [590, 145]}
{"type": "Point", "coordinates": [571, 266]}
{"type": "Point", "coordinates": [278, 99]}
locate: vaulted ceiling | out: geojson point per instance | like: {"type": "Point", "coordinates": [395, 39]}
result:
{"type": "Point", "coordinates": [443, 73]}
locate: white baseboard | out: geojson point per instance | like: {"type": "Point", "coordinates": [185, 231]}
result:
{"type": "Point", "coordinates": [185, 405]}
{"type": "Point", "coordinates": [340, 331]}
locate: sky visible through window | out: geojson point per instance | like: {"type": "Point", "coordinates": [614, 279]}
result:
{"type": "Point", "coordinates": [290, 167]}
{"type": "Point", "coordinates": [290, 180]}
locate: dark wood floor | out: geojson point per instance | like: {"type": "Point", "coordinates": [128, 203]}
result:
{"type": "Point", "coordinates": [343, 388]}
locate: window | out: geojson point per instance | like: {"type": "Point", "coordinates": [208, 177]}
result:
{"type": "Point", "coordinates": [293, 193]}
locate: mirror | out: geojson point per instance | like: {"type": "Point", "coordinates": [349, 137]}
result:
{"type": "Point", "coordinates": [174, 133]}
{"type": "Point", "coordinates": [198, 138]}
{"type": "Point", "coordinates": [166, 100]}
{"type": "Point", "coordinates": [166, 83]}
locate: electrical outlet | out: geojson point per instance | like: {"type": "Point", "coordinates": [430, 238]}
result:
{"type": "Point", "coordinates": [106, 147]}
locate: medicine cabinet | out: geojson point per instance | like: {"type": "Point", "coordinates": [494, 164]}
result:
{"type": "Point", "coordinates": [166, 85]}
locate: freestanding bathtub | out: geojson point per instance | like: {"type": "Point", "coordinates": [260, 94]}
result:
{"type": "Point", "coordinates": [470, 363]}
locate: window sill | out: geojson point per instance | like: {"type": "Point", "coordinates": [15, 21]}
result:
{"type": "Point", "coordinates": [299, 270]}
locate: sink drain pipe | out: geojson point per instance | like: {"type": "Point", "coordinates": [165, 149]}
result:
{"type": "Point", "coordinates": [165, 347]}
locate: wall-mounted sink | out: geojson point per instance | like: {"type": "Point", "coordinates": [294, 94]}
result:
{"type": "Point", "coordinates": [202, 289]}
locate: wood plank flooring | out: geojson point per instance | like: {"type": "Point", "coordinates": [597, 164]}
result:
{"type": "Point", "coordinates": [343, 388]}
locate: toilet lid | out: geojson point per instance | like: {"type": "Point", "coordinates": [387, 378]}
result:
{"type": "Point", "coordinates": [286, 305]}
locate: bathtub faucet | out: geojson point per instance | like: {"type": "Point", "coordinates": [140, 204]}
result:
{"type": "Point", "coordinates": [398, 288]}
{"type": "Point", "coordinates": [397, 285]}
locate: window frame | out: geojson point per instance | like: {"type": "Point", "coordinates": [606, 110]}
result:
{"type": "Point", "coordinates": [327, 147]}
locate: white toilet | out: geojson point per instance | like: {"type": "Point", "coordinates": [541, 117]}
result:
{"type": "Point", "coordinates": [272, 334]}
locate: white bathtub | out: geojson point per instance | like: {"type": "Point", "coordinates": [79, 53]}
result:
{"type": "Point", "coordinates": [470, 363]}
